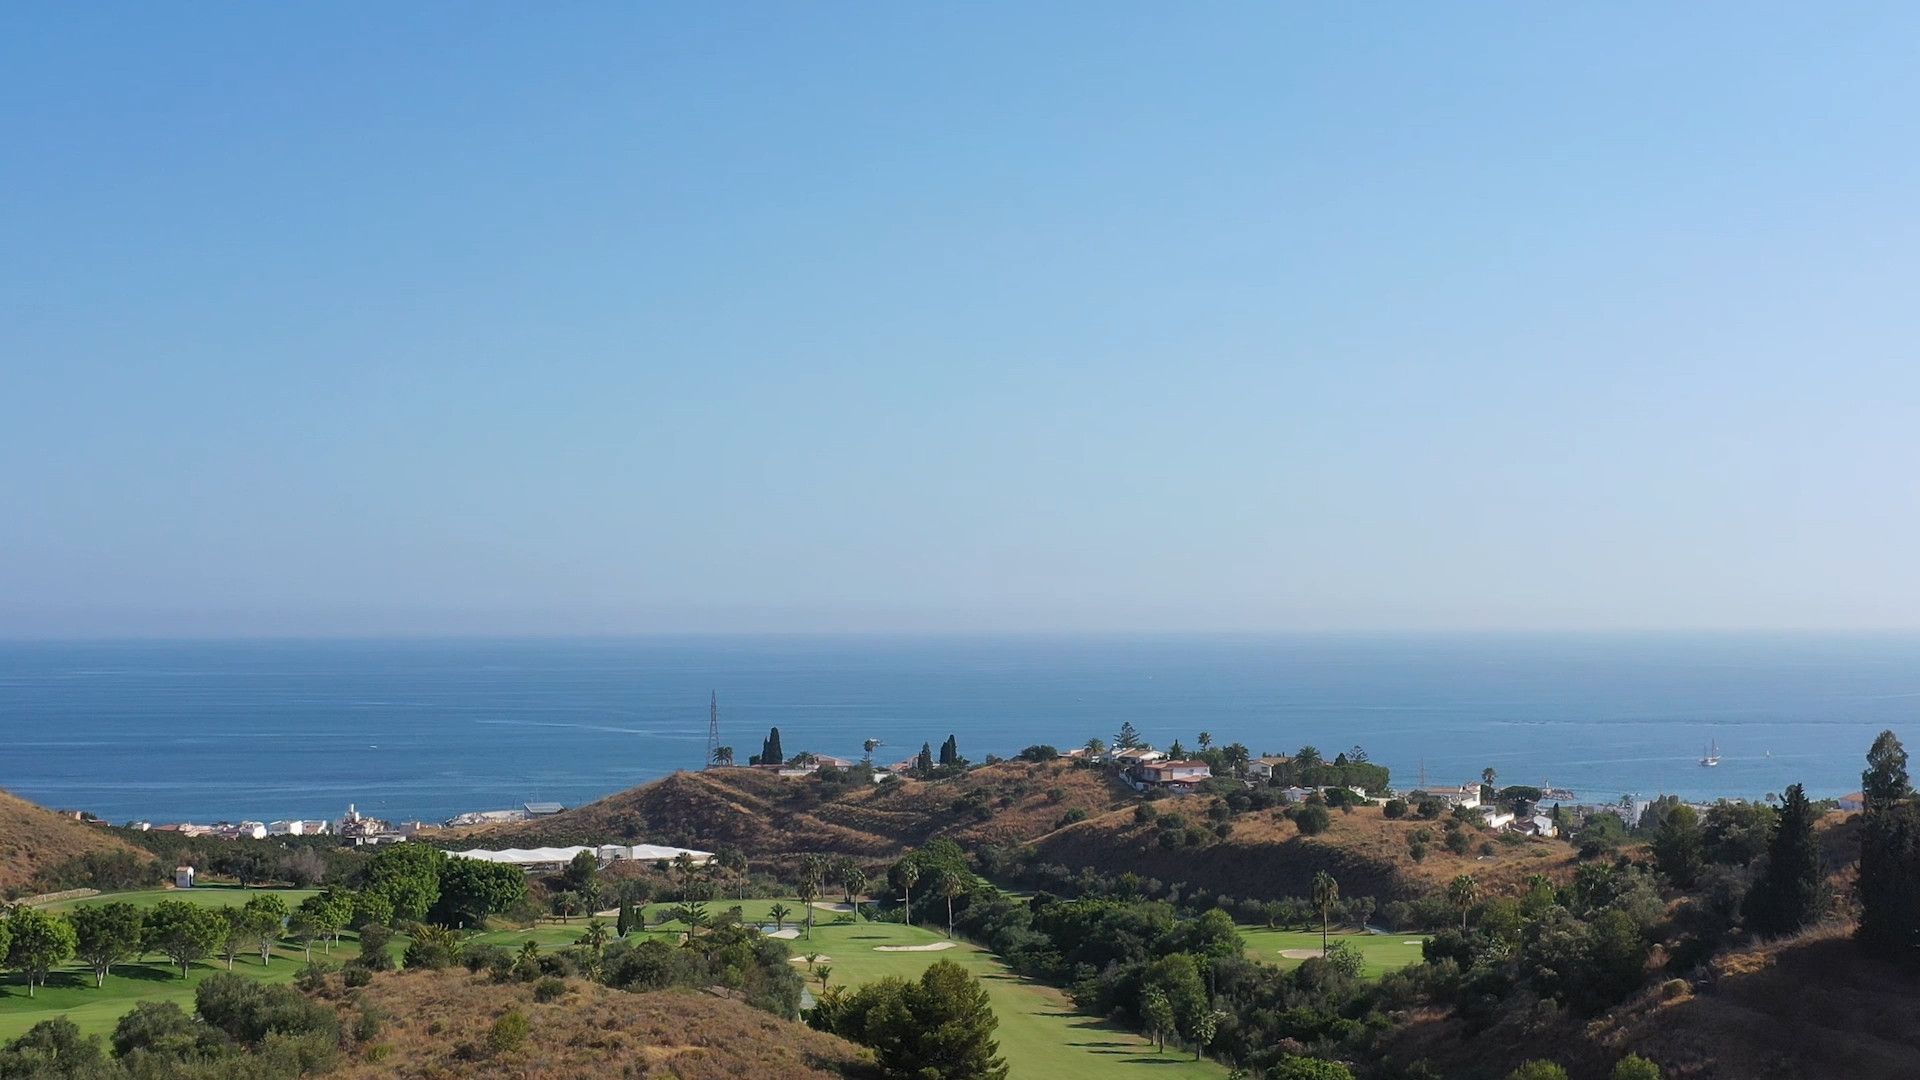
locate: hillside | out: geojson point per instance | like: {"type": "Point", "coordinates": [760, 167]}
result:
{"type": "Point", "coordinates": [1751, 1019]}
{"type": "Point", "coordinates": [436, 1024]}
{"type": "Point", "coordinates": [34, 839]}
{"type": "Point", "coordinates": [768, 816]}
{"type": "Point", "coordinates": [1266, 857]}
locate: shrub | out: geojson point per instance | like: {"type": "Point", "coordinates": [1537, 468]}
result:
{"type": "Point", "coordinates": [374, 939]}
{"type": "Point", "coordinates": [1417, 850]}
{"type": "Point", "coordinates": [1073, 815]}
{"type": "Point", "coordinates": [1312, 820]}
{"type": "Point", "coordinates": [1395, 808]}
{"type": "Point", "coordinates": [1144, 813]}
{"type": "Point", "coordinates": [357, 975]}
{"type": "Point", "coordinates": [510, 1032]}
{"type": "Point", "coordinates": [1538, 1070]}
{"type": "Point", "coordinates": [549, 989]}
{"type": "Point", "coordinates": [1635, 1067]}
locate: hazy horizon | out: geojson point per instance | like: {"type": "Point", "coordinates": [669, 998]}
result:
{"type": "Point", "coordinates": [481, 321]}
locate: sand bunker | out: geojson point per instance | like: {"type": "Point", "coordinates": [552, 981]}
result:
{"type": "Point", "coordinates": [817, 960]}
{"type": "Point", "coordinates": [1415, 941]}
{"type": "Point", "coordinates": [785, 935]}
{"type": "Point", "coordinates": [1301, 954]}
{"type": "Point", "coordinates": [935, 947]}
{"type": "Point", "coordinates": [824, 905]}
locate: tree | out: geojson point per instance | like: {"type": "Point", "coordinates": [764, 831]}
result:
{"type": "Point", "coordinates": [1128, 737]}
{"type": "Point", "coordinates": [1157, 1012]}
{"type": "Point", "coordinates": [723, 755]}
{"type": "Point", "coordinates": [1791, 892]}
{"type": "Point", "coordinates": [565, 903]}
{"type": "Point", "coordinates": [1177, 976]}
{"type": "Point", "coordinates": [1885, 780]}
{"type": "Point", "coordinates": [38, 942]}
{"type": "Point", "coordinates": [949, 884]}
{"type": "Point", "coordinates": [370, 909]}
{"type": "Point", "coordinates": [1293, 1067]}
{"type": "Point", "coordinates": [596, 936]}
{"type": "Point", "coordinates": [853, 880]}
{"type": "Point", "coordinates": [779, 912]}
{"type": "Point", "coordinates": [1305, 759]}
{"type": "Point", "coordinates": [1538, 1070]}
{"type": "Point", "coordinates": [184, 932]}
{"type": "Point", "coordinates": [950, 752]}
{"type": "Point", "coordinates": [407, 876]}
{"type": "Point", "coordinates": [770, 752]}
{"type": "Point", "coordinates": [823, 973]}
{"type": "Point", "coordinates": [1095, 748]}
{"type": "Point", "coordinates": [1326, 893]}
{"type": "Point", "coordinates": [924, 763]}
{"type": "Point", "coordinates": [105, 935]}
{"type": "Point", "coordinates": [302, 928]}
{"type": "Point", "coordinates": [582, 874]}
{"type": "Point", "coordinates": [234, 941]}
{"type": "Point", "coordinates": [1463, 891]}
{"type": "Point", "coordinates": [262, 919]}
{"type": "Point", "coordinates": [939, 1027]}
{"type": "Point", "coordinates": [906, 872]}
{"type": "Point", "coordinates": [1487, 775]}
{"type": "Point", "coordinates": [1205, 1027]}
{"type": "Point", "coordinates": [1679, 846]}
{"type": "Point", "coordinates": [807, 890]}
{"type": "Point", "coordinates": [1635, 1067]}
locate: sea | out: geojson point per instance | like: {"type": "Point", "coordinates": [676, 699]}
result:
{"type": "Point", "coordinates": [424, 729]}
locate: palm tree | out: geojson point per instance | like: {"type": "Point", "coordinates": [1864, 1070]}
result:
{"type": "Point", "coordinates": [950, 886]}
{"type": "Point", "coordinates": [1205, 740]}
{"type": "Point", "coordinates": [1487, 775]}
{"type": "Point", "coordinates": [909, 872]}
{"type": "Point", "coordinates": [823, 972]}
{"type": "Point", "coordinates": [1463, 891]}
{"type": "Point", "coordinates": [779, 913]}
{"type": "Point", "coordinates": [808, 891]}
{"type": "Point", "coordinates": [595, 939]}
{"type": "Point", "coordinates": [1326, 893]}
{"type": "Point", "coordinates": [723, 755]}
{"type": "Point", "coordinates": [853, 879]}
{"type": "Point", "coordinates": [1096, 748]}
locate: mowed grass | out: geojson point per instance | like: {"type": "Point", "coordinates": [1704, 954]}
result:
{"type": "Point", "coordinates": [70, 991]}
{"type": "Point", "coordinates": [204, 895]}
{"type": "Point", "coordinates": [1040, 1034]}
{"type": "Point", "coordinates": [1379, 953]}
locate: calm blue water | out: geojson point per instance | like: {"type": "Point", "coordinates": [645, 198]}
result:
{"type": "Point", "coordinates": [202, 730]}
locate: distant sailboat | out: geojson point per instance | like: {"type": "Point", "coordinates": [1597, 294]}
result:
{"type": "Point", "coordinates": [1712, 756]}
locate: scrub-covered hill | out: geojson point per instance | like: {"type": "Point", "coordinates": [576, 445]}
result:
{"type": "Point", "coordinates": [35, 841]}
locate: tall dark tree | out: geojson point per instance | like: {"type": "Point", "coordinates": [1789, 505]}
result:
{"type": "Point", "coordinates": [1127, 738]}
{"type": "Point", "coordinates": [1791, 892]}
{"type": "Point", "coordinates": [1885, 780]}
{"type": "Point", "coordinates": [1679, 846]}
{"type": "Point", "coordinates": [924, 763]}
{"type": "Point", "coordinates": [770, 752]}
{"type": "Point", "coordinates": [1889, 883]}
{"type": "Point", "coordinates": [950, 752]}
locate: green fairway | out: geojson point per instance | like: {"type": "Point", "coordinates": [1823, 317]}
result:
{"type": "Point", "coordinates": [70, 991]}
{"type": "Point", "coordinates": [1379, 953]}
{"type": "Point", "coordinates": [205, 895]}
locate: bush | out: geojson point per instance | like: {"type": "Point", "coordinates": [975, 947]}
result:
{"type": "Point", "coordinates": [1635, 1067]}
{"type": "Point", "coordinates": [549, 989]}
{"type": "Point", "coordinates": [1538, 1070]}
{"type": "Point", "coordinates": [1395, 808]}
{"type": "Point", "coordinates": [374, 956]}
{"type": "Point", "coordinates": [1144, 813]}
{"type": "Point", "coordinates": [1312, 820]}
{"type": "Point", "coordinates": [510, 1033]}
{"type": "Point", "coordinates": [357, 975]}
{"type": "Point", "coordinates": [1071, 816]}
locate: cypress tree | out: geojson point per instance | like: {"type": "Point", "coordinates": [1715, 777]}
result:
{"type": "Point", "coordinates": [625, 921]}
{"type": "Point", "coordinates": [1889, 884]}
{"type": "Point", "coordinates": [1791, 892]}
{"type": "Point", "coordinates": [1885, 780]}
{"type": "Point", "coordinates": [950, 752]}
{"type": "Point", "coordinates": [770, 753]}
{"type": "Point", "coordinates": [925, 762]}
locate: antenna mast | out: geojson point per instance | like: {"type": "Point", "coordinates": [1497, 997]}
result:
{"type": "Point", "coordinates": [713, 726]}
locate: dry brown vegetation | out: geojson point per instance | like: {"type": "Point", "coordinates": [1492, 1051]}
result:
{"type": "Point", "coordinates": [1804, 1008]}
{"type": "Point", "coordinates": [436, 1025]}
{"type": "Point", "coordinates": [1266, 857]}
{"type": "Point", "coordinates": [769, 816]}
{"type": "Point", "coordinates": [34, 839]}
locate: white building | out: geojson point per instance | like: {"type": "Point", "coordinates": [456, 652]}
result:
{"type": "Point", "coordinates": [183, 877]}
{"type": "Point", "coordinates": [1261, 768]}
{"type": "Point", "coordinates": [294, 827]}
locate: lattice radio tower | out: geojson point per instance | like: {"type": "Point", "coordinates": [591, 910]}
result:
{"type": "Point", "coordinates": [713, 727]}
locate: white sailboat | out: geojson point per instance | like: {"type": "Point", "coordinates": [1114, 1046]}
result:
{"type": "Point", "coordinates": [1712, 756]}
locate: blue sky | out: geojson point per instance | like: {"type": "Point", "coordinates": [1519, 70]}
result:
{"type": "Point", "coordinates": [594, 318]}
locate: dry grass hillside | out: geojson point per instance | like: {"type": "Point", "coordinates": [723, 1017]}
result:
{"type": "Point", "coordinates": [1267, 858]}
{"type": "Point", "coordinates": [437, 1025]}
{"type": "Point", "coordinates": [1807, 1008]}
{"type": "Point", "coordinates": [769, 816]}
{"type": "Point", "coordinates": [33, 839]}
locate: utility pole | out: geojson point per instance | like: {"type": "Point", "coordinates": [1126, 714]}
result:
{"type": "Point", "coordinates": [713, 726]}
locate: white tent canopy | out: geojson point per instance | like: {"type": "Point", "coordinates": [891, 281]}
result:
{"type": "Point", "coordinates": [605, 853]}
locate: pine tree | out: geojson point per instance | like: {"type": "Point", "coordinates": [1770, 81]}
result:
{"type": "Point", "coordinates": [1679, 846]}
{"type": "Point", "coordinates": [770, 753]}
{"type": "Point", "coordinates": [1791, 891]}
{"type": "Point", "coordinates": [1128, 737]}
{"type": "Point", "coordinates": [1889, 883]}
{"type": "Point", "coordinates": [1885, 780]}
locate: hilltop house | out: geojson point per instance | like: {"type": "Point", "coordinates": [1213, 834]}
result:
{"type": "Point", "coordinates": [1261, 768]}
{"type": "Point", "coordinates": [1138, 755]}
{"type": "Point", "coordinates": [1178, 777]}
{"type": "Point", "coordinates": [1855, 802]}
